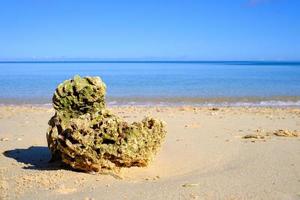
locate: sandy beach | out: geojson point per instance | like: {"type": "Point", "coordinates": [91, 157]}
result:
{"type": "Point", "coordinates": [205, 156]}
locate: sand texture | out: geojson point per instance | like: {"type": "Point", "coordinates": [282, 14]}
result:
{"type": "Point", "coordinates": [221, 153]}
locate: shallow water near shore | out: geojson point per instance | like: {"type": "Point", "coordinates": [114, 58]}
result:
{"type": "Point", "coordinates": [160, 83]}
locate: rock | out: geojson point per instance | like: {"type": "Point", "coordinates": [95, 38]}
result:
{"type": "Point", "coordinates": [253, 136]}
{"type": "Point", "coordinates": [262, 135]}
{"type": "Point", "coordinates": [84, 134]}
{"type": "Point", "coordinates": [4, 139]}
{"type": "Point", "coordinates": [79, 96]}
{"type": "Point", "coordinates": [286, 133]}
{"type": "Point", "coordinates": [190, 185]}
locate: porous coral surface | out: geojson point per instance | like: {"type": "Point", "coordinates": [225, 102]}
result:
{"type": "Point", "coordinates": [85, 135]}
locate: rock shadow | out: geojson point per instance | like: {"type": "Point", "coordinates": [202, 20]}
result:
{"type": "Point", "coordinates": [35, 157]}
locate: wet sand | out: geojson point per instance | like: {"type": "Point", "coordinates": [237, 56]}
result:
{"type": "Point", "coordinates": [205, 156]}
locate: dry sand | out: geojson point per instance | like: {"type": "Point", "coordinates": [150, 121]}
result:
{"type": "Point", "coordinates": [204, 156]}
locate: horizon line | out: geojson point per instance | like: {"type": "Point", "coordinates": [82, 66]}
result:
{"type": "Point", "coordinates": [150, 61]}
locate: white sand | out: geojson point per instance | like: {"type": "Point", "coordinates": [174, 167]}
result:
{"type": "Point", "coordinates": [203, 157]}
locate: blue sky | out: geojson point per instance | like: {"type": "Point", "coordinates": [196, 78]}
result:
{"type": "Point", "coordinates": [156, 29]}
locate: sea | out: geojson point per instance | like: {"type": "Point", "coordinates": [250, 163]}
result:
{"type": "Point", "coordinates": [164, 83]}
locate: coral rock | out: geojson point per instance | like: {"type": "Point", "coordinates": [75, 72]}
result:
{"type": "Point", "coordinates": [84, 134]}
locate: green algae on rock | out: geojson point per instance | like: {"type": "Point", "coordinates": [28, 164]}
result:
{"type": "Point", "coordinates": [79, 96]}
{"type": "Point", "coordinates": [84, 134]}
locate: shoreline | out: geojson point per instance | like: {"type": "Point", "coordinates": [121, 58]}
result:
{"type": "Point", "coordinates": [276, 101]}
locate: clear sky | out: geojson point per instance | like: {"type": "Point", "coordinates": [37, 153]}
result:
{"type": "Point", "coordinates": [150, 29]}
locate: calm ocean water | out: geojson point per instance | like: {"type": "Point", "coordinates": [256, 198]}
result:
{"type": "Point", "coordinates": [203, 83]}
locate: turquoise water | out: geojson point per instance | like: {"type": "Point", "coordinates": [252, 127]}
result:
{"type": "Point", "coordinates": [159, 82]}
